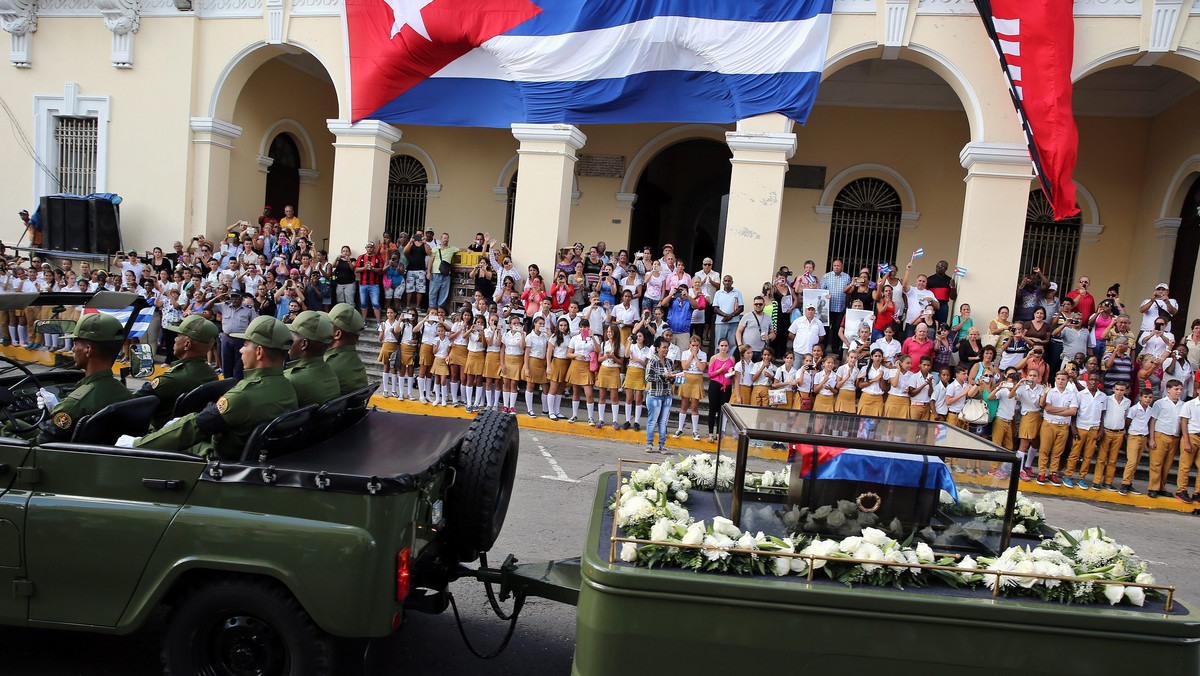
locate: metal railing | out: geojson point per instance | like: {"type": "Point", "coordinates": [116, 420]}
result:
{"type": "Point", "coordinates": [865, 226]}
{"type": "Point", "coordinates": [406, 196]}
{"type": "Point", "coordinates": [1049, 244]}
{"type": "Point", "coordinates": [76, 139]}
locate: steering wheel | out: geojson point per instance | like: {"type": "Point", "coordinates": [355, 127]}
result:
{"type": "Point", "coordinates": [9, 395]}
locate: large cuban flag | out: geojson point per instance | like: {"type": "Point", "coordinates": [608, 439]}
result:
{"type": "Point", "coordinates": [490, 63]}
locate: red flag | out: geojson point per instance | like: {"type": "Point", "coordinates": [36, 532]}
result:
{"type": "Point", "coordinates": [1035, 40]}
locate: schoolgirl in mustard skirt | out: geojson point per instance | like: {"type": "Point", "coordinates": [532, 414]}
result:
{"type": "Point", "coordinates": [406, 353]}
{"type": "Point", "coordinates": [578, 373]}
{"type": "Point", "coordinates": [458, 355]}
{"type": "Point", "coordinates": [537, 371]}
{"type": "Point", "coordinates": [870, 404]}
{"type": "Point", "coordinates": [492, 361]}
{"type": "Point", "coordinates": [609, 378]}
{"type": "Point", "coordinates": [476, 361]}
{"type": "Point", "coordinates": [897, 407]}
{"type": "Point", "coordinates": [512, 366]}
{"type": "Point", "coordinates": [559, 368]}
{"type": "Point", "coordinates": [635, 379]}
{"type": "Point", "coordinates": [692, 387]}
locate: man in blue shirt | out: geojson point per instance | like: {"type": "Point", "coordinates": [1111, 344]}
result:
{"type": "Point", "coordinates": [835, 282]}
{"type": "Point", "coordinates": [679, 306]}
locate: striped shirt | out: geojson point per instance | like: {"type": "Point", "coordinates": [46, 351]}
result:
{"type": "Point", "coordinates": [368, 278]}
{"type": "Point", "coordinates": [836, 283]}
{"type": "Point", "coordinates": [657, 384]}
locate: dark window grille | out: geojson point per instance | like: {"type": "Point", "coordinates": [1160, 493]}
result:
{"type": "Point", "coordinates": [1051, 245]}
{"type": "Point", "coordinates": [511, 209]}
{"type": "Point", "coordinates": [77, 141]}
{"type": "Point", "coordinates": [406, 196]}
{"type": "Point", "coordinates": [865, 228]}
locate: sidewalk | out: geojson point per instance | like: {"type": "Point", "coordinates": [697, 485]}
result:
{"type": "Point", "coordinates": [1030, 487]}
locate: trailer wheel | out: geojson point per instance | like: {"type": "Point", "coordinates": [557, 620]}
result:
{"type": "Point", "coordinates": [238, 627]}
{"type": "Point", "coordinates": [478, 501]}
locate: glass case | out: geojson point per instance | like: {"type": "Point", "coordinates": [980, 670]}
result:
{"type": "Point", "coordinates": [849, 472]}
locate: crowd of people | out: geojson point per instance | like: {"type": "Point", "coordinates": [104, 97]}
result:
{"type": "Point", "coordinates": [620, 333]}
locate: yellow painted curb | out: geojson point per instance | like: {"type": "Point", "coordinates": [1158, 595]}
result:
{"type": "Point", "coordinates": [1165, 503]}
{"type": "Point", "coordinates": [541, 424]}
{"type": "Point", "coordinates": [43, 357]}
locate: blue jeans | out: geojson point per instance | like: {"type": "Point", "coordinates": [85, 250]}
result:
{"type": "Point", "coordinates": [658, 412]}
{"type": "Point", "coordinates": [368, 296]}
{"type": "Point", "coordinates": [439, 290]}
{"type": "Point", "coordinates": [727, 331]}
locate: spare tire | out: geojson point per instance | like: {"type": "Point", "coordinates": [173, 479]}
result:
{"type": "Point", "coordinates": [485, 468]}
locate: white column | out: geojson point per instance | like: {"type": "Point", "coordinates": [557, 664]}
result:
{"type": "Point", "coordinates": [542, 213]}
{"type": "Point", "coordinates": [360, 173]}
{"type": "Point", "coordinates": [213, 140]}
{"type": "Point", "coordinates": [761, 147]}
{"type": "Point", "coordinates": [998, 181]}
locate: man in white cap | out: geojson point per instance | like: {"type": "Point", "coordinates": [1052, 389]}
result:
{"type": "Point", "coordinates": [806, 331]}
{"type": "Point", "coordinates": [1160, 304]}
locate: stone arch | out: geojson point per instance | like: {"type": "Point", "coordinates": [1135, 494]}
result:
{"type": "Point", "coordinates": [308, 151]}
{"type": "Point", "coordinates": [434, 186]}
{"type": "Point", "coordinates": [925, 56]}
{"type": "Point", "coordinates": [243, 65]}
{"type": "Point", "coordinates": [1089, 213]}
{"type": "Point", "coordinates": [1178, 188]}
{"type": "Point", "coordinates": [654, 146]}
{"type": "Point", "coordinates": [504, 180]}
{"type": "Point", "coordinates": [908, 198]}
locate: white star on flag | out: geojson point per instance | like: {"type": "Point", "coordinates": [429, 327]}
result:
{"type": "Point", "coordinates": [409, 12]}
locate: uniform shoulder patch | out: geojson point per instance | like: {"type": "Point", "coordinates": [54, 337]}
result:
{"type": "Point", "coordinates": [62, 420]}
{"type": "Point", "coordinates": [222, 405]}
{"type": "Point", "coordinates": [154, 383]}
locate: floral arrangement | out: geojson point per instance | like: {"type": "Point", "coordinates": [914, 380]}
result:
{"type": "Point", "coordinates": [707, 471]}
{"type": "Point", "coordinates": [1029, 516]}
{"type": "Point", "coordinates": [769, 479]}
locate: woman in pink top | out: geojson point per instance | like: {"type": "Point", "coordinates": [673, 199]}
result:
{"type": "Point", "coordinates": [720, 367]}
{"type": "Point", "coordinates": [1100, 323]}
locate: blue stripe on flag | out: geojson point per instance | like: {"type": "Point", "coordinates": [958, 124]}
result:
{"type": "Point", "coordinates": [918, 253]}
{"type": "Point", "coordinates": [680, 96]}
{"type": "Point", "coordinates": [570, 16]}
{"type": "Point", "coordinates": [142, 323]}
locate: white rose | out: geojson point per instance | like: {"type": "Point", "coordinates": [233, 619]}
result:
{"type": "Point", "coordinates": [659, 531]}
{"type": "Point", "coordinates": [875, 536]}
{"type": "Point", "coordinates": [850, 544]}
{"type": "Point", "coordinates": [868, 552]}
{"type": "Point", "coordinates": [746, 542]}
{"type": "Point", "coordinates": [1144, 578]}
{"type": "Point", "coordinates": [695, 534]}
{"type": "Point", "coordinates": [924, 553]}
{"type": "Point", "coordinates": [1135, 595]}
{"type": "Point", "coordinates": [1114, 593]}
{"type": "Point", "coordinates": [768, 478]}
{"type": "Point", "coordinates": [1019, 529]}
{"type": "Point", "coordinates": [681, 496]}
{"type": "Point", "coordinates": [782, 565]}
{"type": "Point", "coordinates": [628, 552]}
{"type": "Point", "coordinates": [836, 519]}
{"type": "Point", "coordinates": [1025, 567]}
{"type": "Point", "coordinates": [725, 527]}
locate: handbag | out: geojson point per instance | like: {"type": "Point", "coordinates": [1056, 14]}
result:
{"type": "Point", "coordinates": [975, 412]}
{"type": "Point", "coordinates": [593, 362]}
{"type": "Point", "coordinates": [387, 282]}
{"type": "Point", "coordinates": [776, 397]}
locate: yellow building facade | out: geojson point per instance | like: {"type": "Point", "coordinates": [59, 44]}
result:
{"type": "Point", "coordinates": [191, 98]}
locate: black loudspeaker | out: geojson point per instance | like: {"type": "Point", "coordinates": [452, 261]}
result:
{"type": "Point", "coordinates": [65, 224]}
{"type": "Point", "coordinates": [104, 232]}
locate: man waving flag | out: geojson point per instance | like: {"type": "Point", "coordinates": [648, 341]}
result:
{"type": "Point", "coordinates": [1035, 40]}
{"type": "Point", "coordinates": [490, 63]}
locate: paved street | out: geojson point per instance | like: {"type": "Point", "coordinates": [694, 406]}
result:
{"type": "Point", "coordinates": [546, 520]}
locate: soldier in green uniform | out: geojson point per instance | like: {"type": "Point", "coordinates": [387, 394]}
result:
{"type": "Point", "coordinates": [98, 339]}
{"type": "Point", "coordinates": [314, 380]}
{"type": "Point", "coordinates": [262, 394]}
{"type": "Point", "coordinates": [196, 336]}
{"type": "Point", "coordinates": [342, 354]}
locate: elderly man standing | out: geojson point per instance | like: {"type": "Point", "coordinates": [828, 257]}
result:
{"type": "Point", "coordinates": [916, 299]}
{"type": "Point", "coordinates": [805, 332]}
{"type": "Point", "coordinates": [441, 267]}
{"type": "Point", "coordinates": [234, 316]}
{"type": "Point", "coordinates": [835, 282]}
{"type": "Point", "coordinates": [728, 306]}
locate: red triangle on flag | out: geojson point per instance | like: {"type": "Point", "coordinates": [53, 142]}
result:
{"type": "Point", "coordinates": [383, 67]}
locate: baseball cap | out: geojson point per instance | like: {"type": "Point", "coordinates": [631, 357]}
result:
{"type": "Point", "coordinates": [196, 328]}
{"type": "Point", "coordinates": [99, 327]}
{"type": "Point", "coordinates": [267, 332]}
{"type": "Point", "coordinates": [1054, 286]}
{"type": "Point", "coordinates": [313, 325]}
{"type": "Point", "coordinates": [1162, 285]}
{"type": "Point", "coordinates": [346, 318]}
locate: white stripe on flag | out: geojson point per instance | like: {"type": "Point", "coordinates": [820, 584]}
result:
{"type": "Point", "coordinates": [1010, 47]}
{"type": "Point", "coordinates": [142, 324]}
{"type": "Point", "coordinates": [656, 44]}
{"type": "Point", "coordinates": [1015, 72]}
{"type": "Point", "coordinates": [1007, 26]}
{"type": "Point", "coordinates": [1020, 94]}
{"type": "Point", "coordinates": [120, 315]}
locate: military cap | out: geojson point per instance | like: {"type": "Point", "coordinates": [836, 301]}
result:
{"type": "Point", "coordinates": [99, 327]}
{"type": "Point", "coordinates": [268, 332]}
{"type": "Point", "coordinates": [196, 328]}
{"type": "Point", "coordinates": [346, 318]}
{"type": "Point", "coordinates": [313, 325]}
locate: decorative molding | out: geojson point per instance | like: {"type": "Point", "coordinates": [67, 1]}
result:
{"type": "Point", "coordinates": [895, 19]}
{"type": "Point", "coordinates": [121, 17]}
{"type": "Point", "coordinates": [433, 190]}
{"type": "Point", "coordinates": [998, 155]}
{"type": "Point", "coordinates": [264, 163]}
{"type": "Point", "coordinates": [381, 134]}
{"type": "Point", "coordinates": [667, 138]}
{"type": "Point", "coordinates": [1175, 187]}
{"type": "Point", "coordinates": [1090, 233]}
{"type": "Point", "coordinates": [90, 8]}
{"type": "Point", "coordinates": [1168, 228]}
{"type": "Point", "coordinates": [226, 131]}
{"type": "Point", "coordinates": [1108, 8]}
{"type": "Point", "coordinates": [880, 171]}
{"type": "Point", "coordinates": [46, 107]}
{"type": "Point", "coordinates": [947, 7]}
{"type": "Point", "coordinates": [18, 18]}
{"type": "Point", "coordinates": [854, 6]}
{"type": "Point", "coordinates": [308, 150]}
{"type": "Point", "coordinates": [316, 8]}
{"type": "Point", "coordinates": [500, 194]}
{"type": "Point", "coordinates": [228, 9]}
{"type": "Point", "coordinates": [782, 143]}
{"type": "Point", "coordinates": [566, 134]}
{"type": "Point", "coordinates": [908, 219]}
{"type": "Point", "coordinates": [308, 176]}
{"type": "Point", "coordinates": [626, 200]}
{"type": "Point", "coordinates": [426, 161]}
{"type": "Point", "coordinates": [1164, 18]}
{"type": "Point", "coordinates": [274, 22]}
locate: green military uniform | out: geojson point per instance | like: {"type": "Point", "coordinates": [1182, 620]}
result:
{"type": "Point", "coordinates": [184, 375]}
{"type": "Point", "coordinates": [92, 393]}
{"type": "Point", "coordinates": [344, 359]}
{"type": "Point", "coordinates": [223, 428]}
{"type": "Point", "coordinates": [314, 380]}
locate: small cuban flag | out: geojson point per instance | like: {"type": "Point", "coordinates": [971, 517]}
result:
{"type": "Point", "coordinates": [884, 268]}
{"type": "Point", "coordinates": [918, 253]}
{"type": "Point", "coordinates": [960, 271]}
{"type": "Point", "coordinates": [140, 325]}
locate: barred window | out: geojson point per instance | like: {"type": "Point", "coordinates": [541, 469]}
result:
{"type": "Point", "coordinates": [511, 210]}
{"type": "Point", "coordinates": [75, 140]}
{"type": "Point", "coordinates": [865, 228]}
{"type": "Point", "coordinates": [1051, 245]}
{"type": "Point", "coordinates": [406, 196]}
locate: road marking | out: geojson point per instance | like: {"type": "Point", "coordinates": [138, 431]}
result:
{"type": "Point", "coordinates": [559, 474]}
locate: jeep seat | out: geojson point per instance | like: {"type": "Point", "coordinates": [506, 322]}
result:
{"type": "Point", "coordinates": [197, 399]}
{"type": "Point", "coordinates": [286, 433]}
{"type": "Point", "coordinates": [340, 412]}
{"type": "Point", "coordinates": [105, 426]}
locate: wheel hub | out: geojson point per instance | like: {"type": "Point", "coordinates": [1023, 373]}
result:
{"type": "Point", "coordinates": [247, 646]}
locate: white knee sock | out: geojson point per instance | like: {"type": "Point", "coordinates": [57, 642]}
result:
{"type": "Point", "coordinates": [545, 404]}
{"type": "Point", "coordinates": [589, 410]}
{"type": "Point", "coordinates": [695, 423]}
{"type": "Point", "coordinates": [69, 344]}
{"type": "Point", "coordinates": [12, 334]}
{"type": "Point", "coordinates": [637, 413]}
{"type": "Point", "coordinates": [629, 413]}
{"type": "Point", "coordinates": [601, 412]}
{"type": "Point", "coordinates": [679, 422]}
{"type": "Point", "coordinates": [528, 401]}
{"type": "Point", "coordinates": [453, 391]}
{"type": "Point", "coordinates": [574, 408]}
{"type": "Point", "coordinates": [445, 394]}
{"type": "Point", "coordinates": [23, 332]}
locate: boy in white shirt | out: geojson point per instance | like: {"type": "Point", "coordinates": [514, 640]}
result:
{"type": "Point", "coordinates": [921, 386]}
{"type": "Point", "coordinates": [1086, 430]}
{"type": "Point", "coordinates": [1059, 405]}
{"type": "Point", "coordinates": [1189, 423]}
{"type": "Point", "coordinates": [938, 396]}
{"type": "Point", "coordinates": [1006, 410]}
{"type": "Point", "coordinates": [1163, 439]}
{"type": "Point", "coordinates": [1137, 433]}
{"type": "Point", "coordinates": [1029, 394]}
{"type": "Point", "coordinates": [1112, 432]}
